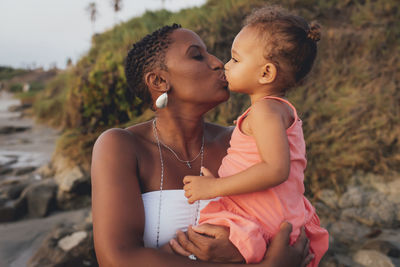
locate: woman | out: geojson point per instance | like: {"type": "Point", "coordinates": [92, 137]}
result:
{"type": "Point", "coordinates": [137, 197]}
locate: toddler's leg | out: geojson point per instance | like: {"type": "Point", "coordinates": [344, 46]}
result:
{"type": "Point", "coordinates": [245, 234]}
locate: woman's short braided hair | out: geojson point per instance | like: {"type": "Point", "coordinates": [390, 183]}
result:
{"type": "Point", "coordinates": [145, 55]}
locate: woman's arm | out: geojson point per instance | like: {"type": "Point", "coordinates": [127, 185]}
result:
{"type": "Point", "coordinates": [266, 124]}
{"type": "Point", "coordinates": [213, 240]}
{"type": "Point", "coordinates": [118, 213]}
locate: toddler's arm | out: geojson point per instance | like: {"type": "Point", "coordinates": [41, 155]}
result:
{"type": "Point", "coordinates": [266, 123]}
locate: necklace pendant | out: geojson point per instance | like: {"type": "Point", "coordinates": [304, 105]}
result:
{"type": "Point", "coordinates": [188, 164]}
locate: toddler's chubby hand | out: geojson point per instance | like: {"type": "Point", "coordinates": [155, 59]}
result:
{"type": "Point", "coordinates": [200, 187]}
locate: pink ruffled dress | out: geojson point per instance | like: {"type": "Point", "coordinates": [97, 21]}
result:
{"type": "Point", "coordinates": [254, 218]}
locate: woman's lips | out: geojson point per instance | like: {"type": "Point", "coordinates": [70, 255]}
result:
{"type": "Point", "coordinates": [223, 79]}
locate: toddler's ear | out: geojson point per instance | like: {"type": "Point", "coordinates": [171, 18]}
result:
{"type": "Point", "coordinates": [268, 73]}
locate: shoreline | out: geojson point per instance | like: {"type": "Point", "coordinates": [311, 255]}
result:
{"type": "Point", "coordinates": [22, 153]}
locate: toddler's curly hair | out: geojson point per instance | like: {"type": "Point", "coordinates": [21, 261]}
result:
{"type": "Point", "coordinates": [290, 42]}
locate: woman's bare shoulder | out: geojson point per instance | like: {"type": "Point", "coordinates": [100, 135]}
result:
{"type": "Point", "coordinates": [115, 138]}
{"type": "Point", "coordinates": [115, 155]}
{"type": "Point", "coordinates": [127, 138]}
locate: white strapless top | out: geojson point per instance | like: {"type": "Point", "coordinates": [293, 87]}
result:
{"type": "Point", "coordinates": [176, 214]}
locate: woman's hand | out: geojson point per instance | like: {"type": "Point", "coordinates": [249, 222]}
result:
{"type": "Point", "coordinates": [211, 243]}
{"type": "Point", "coordinates": [281, 254]}
{"type": "Point", "coordinates": [208, 242]}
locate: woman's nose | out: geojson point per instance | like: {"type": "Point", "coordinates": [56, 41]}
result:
{"type": "Point", "coordinates": [216, 64]}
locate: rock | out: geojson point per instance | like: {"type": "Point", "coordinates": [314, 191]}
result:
{"type": "Point", "coordinates": [328, 260]}
{"type": "Point", "coordinates": [89, 218]}
{"type": "Point", "coordinates": [393, 187]}
{"type": "Point", "coordinates": [387, 247]}
{"type": "Point", "coordinates": [7, 160]}
{"type": "Point", "coordinates": [12, 189]}
{"type": "Point", "coordinates": [347, 233]}
{"type": "Point", "coordinates": [12, 202]}
{"type": "Point", "coordinates": [325, 214]}
{"type": "Point", "coordinates": [346, 261]}
{"type": "Point", "coordinates": [21, 197]}
{"type": "Point", "coordinates": [74, 187]}
{"type": "Point", "coordinates": [372, 258]}
{"type": "Point", "coordinates": [60, 164]}
{"type": "Point", "coordinates": [10, 210]}
{"type": "Point", "coordinates": [353, 197]}
{"type": "Point", "coordinates": [383, 212]}
{"type": "Point", "coordinates": [67, 201]}
{"type": "Point", "coordinates": [338, 260]}
{"type": "Point", "coordinates": [384, 187]}
{"type": "Point", "coordinates": [13, 129]}
{"type": "Point", "coordinates": [370, 206]}
{"type": "Point", "coordinates": [376, 211]}
{"type": "Point", "coordinates": [392, 235]}
{"type": "Point", "coordinates": [13, 192]}
{"type": "Point", "coordinates": [372, 182]}
{"type": "Point", "coordinates": [71, 241]}
{"type": "Point", "coordinates": [24, 170]}
{"type": "Point", "coordinates": [41, 198]}
{"type": "Point", "coordinates": [71, 180]}
{"type": "Point", "coordinates": [18, 108]}
{"type": "Point", "coordinates": [329, 198]}
{"type": "Point", "coordinates": [5, 170]}
{"type": "Point", "coordinates": [65, 246]}
{"type": "Point", "coordinates": [328, 263]}
{"type": "Point", "coordinates": [366, 180]}
{"type": "Point", "coordinates": [45, 171]}
{"type": "Point", "coordinates": [364, 226]}
{"type": "Point", "coordinates": [86, 224]}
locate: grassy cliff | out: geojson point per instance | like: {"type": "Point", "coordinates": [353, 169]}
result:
{"type": "Point", "coordinates": [7, 73]}
{"type": "Point", "coordinates": [34, 80]}
{"type": "Point", "coordinates": [350, 104]}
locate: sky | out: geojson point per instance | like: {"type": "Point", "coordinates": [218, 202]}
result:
{"type": "Point", "coordinates": [45, 33]}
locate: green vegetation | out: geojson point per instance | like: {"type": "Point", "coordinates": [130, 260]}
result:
{"type": "Point", "coordinates": [16, 87]}
{"type": "Point", "coordinates": [7, 73]}
{"type": "Point", "coordinates": [50, 107]}
{"type": "Point", "coordinates": [34, 88]}
{"type": "Point", "coordinates": [26, 84]}
{"type": "Point", "coordinates": [349, 104]}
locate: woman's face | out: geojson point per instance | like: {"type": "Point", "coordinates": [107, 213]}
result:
{"type": "Point", "coordinates": [195, 75]}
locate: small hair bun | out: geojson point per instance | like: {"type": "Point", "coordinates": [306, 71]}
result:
{"type": "Point", "coordinates": [314, 33]}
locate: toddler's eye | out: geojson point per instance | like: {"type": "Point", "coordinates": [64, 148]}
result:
{"type": "Point", "coordinates": [234, 60]}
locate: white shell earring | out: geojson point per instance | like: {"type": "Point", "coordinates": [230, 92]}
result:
{"type": "Point", "coordinates": [162, 100]}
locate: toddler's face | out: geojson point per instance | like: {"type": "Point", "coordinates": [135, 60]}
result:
{"type": "Point", "coordinates": [243, 70]}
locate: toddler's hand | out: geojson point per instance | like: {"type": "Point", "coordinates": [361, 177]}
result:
{"type": "Point", "coordinates": [200, 187]}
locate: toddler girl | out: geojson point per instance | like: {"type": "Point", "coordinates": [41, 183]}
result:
{"type": "Point", "coordinates": [261, 182]}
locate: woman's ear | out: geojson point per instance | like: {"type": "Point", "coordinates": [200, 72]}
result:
{"type": "Point", "coordinates": [268, 73]}
{"type": "Point", "coordinates": [156, 81]}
